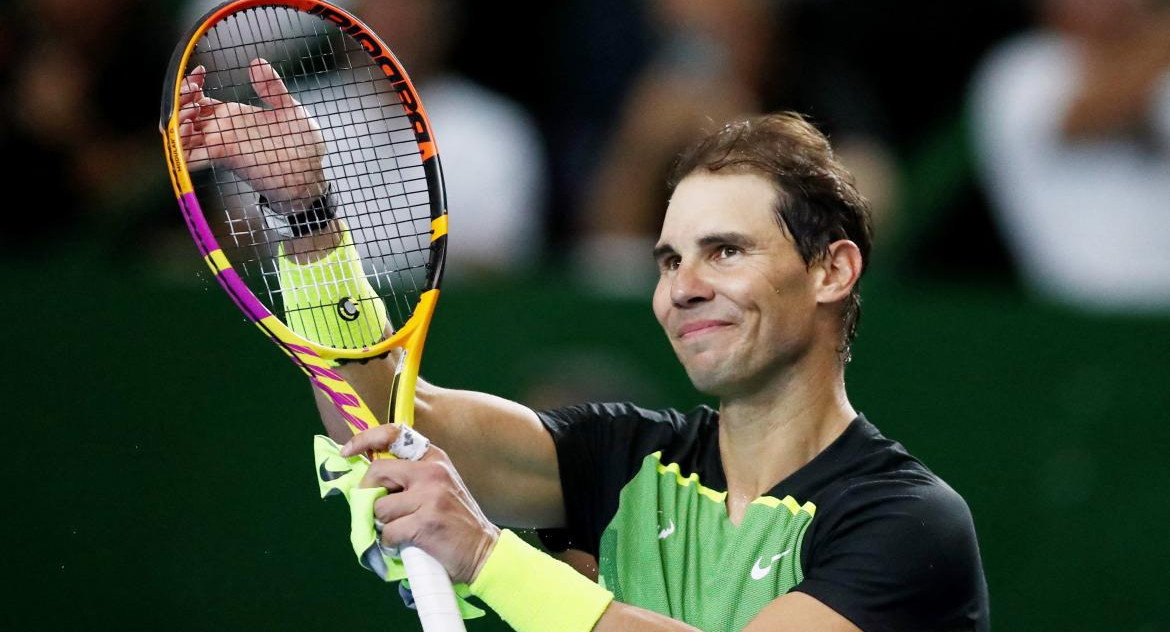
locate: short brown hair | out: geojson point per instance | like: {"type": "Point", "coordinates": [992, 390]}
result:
{"type": "Point", "coordinates": [817, 200]}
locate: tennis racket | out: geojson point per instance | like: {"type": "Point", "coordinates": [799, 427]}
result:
{"type": "Point", "coordinates": [308, 175]}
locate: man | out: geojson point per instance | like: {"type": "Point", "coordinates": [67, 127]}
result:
{"type": "Point", "coordinates": [785, 509]}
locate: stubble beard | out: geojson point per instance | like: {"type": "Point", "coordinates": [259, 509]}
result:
{"type": "Point", "coordinates": [715, 378]}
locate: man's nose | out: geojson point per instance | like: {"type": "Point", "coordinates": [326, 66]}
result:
{"type": "Point", "coordinates": [690, 286]}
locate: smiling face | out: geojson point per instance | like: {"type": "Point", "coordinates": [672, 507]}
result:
{"type": "Point", "coordinates": [734, 297]}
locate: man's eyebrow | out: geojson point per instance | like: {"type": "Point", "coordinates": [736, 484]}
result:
{"type": "Point", "coordinates": [663, 250]}
{"type": "Point", "coordinates": [706, 241]}
{"type": "Point", "coordinates": [735, 239]}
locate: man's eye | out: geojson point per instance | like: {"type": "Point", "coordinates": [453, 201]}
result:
{"type": "Point", "coordinates": [668, 264]}
{"type": "Point", "coordinates": [728, 251]}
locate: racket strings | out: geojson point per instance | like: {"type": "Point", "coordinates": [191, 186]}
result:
{"type": "Point", "coordinates": [372, 161]}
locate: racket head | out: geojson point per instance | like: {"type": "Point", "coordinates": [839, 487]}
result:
{"type": "Point", "coordinates": [379, 158]}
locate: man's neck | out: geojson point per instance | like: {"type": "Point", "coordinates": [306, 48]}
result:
{"type": "Point", "coordinates": [773, 431]}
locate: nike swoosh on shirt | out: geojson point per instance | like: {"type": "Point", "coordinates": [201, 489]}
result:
{"type": "Point", "coordinates": [759, 572]}
{"type": "Point", "coordinates": [665, 533]}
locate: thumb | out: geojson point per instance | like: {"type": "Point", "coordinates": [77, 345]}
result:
{"type": "Point", "coordinates": [269, 85]}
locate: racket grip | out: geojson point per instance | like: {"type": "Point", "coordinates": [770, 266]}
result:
{"type": "Point", "coordinates": [434, 598]}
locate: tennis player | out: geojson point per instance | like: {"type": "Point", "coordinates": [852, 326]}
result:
{"type": "Point", "coordinates": [783, 509]}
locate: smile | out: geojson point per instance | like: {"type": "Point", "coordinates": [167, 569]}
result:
{"type": "Point", "coordinates": [697, 328]}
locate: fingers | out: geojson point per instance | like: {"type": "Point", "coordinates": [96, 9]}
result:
{"type": "Point", "coordinates": [194, 109]}
{"type": "Point", "coordinates": [410, 444]}
{"type": "Point", "coordinates": [392, 474]}
{"type": "Point", "coordinates": [192, 142]}
{"type": "Point", "coordinates": [403, 442]}
{"type": "Point", "coordinates": [389, 508]}
{"type": "Point", "coordinates": [447, 524]}
{"type": "Point", "coordinates": [191, 92]}
{"type": "Point", "coordinates": [397, 474]}
{"type": "Point", "coordinates": [269, 85]}
{"type": "Point", "coordinates": [406, 517]}
{"type": "Point", "coordinates": [188, 135]}
{"type": "Point", "coordinates": [192, 85]}
{"type": "Point", "coordinates": [401, 531]}
{"type": "Point", "coordinates": [427, 505]}
{"type": "Point", "coordinates": [377, 439]}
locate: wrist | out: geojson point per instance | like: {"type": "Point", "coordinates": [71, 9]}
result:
{"type": "Point", "coordinates": [315, 246]}
{"type": "Point", "coordinates": [485, 548]}
{"type": "Point", "coordinates": [520, 583]}
{"type": "Point", "coordinates": [327, 296]}
{"type": "Point", "coordinates": [302, 214]}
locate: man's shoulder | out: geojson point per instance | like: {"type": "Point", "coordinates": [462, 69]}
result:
{"type": "Point", "coordinates": [890, 530]}
{"type": "Point", "coordinates": [879, 471]}
{"type": "Point", "coordinates": [913, 497]}
{"type": "Point", "coordinates": [560, 419]}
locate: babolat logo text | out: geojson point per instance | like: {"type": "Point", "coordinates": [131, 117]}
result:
{"type": "Point", "coordinates": [385, 62]}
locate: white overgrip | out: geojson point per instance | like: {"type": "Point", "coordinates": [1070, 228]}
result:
{"type": "Point", "coordinates": [434, 597]}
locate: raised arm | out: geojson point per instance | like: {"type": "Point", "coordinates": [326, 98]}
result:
{"type": "Point", "coordinates": [506, 456]}
{"type": "Point", "coordinates": [503, 452]}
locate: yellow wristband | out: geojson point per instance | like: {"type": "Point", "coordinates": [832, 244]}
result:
{"type": "Point", "coordinates": [533, 592]}
{"type": "Point", "coordinates": [329, 301]}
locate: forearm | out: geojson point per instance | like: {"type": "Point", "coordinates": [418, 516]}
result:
{"type": "Point", "coordinates": [372, 378]}
{"type": "Point", "coordinates": [503, 452]}
{"type": "Point", "coordinates": [620, 617]}
{"type": "Point", "coordinates": [500, 447]}
{"type": "Point", "coordinates": [793, 612]}
{"type": "Point", "coordinates": [372, 381]}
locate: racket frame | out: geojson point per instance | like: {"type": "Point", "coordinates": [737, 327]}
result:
{"type": "Point", "coordinates": [315, 360]}
{"type": "Point", "coordinates": [434, 595]}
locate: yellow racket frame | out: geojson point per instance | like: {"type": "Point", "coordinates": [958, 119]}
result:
{"type": "Point", "coordinates": [316, 360]}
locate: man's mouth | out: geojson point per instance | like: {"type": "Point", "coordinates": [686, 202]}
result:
{"type": "Point", "coordinates": [700, 327]}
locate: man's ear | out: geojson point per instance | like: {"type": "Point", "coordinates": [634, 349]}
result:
{"type": "Point", "coordinates": [841, 267]}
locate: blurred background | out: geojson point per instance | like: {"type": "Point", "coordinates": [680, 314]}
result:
{"type": "Point", "coordinates": [1016, 308]}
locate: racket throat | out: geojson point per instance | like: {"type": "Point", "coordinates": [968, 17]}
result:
{"type": "Point", "coordinates": [401, 412]}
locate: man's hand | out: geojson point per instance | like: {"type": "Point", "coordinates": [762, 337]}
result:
{"type": "Point", "coordinates": [278, 151]}
{"type": "Point", "coordinates": [428, 505]}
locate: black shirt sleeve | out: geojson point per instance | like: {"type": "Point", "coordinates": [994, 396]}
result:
{"type": "Point", "coordinates": [599, 449]}
{"type": "Point", "coordinates": [897, 552]}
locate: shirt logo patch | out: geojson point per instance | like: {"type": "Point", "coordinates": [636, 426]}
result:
{"type": "Point", "coordinates": [759, 572]}
{"type": "Point", "coordinates": [665, 533]}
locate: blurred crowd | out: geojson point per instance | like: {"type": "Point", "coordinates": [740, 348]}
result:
{"type": "Point", "coordinates": [1017, 141]}
{"type": "Point", "coordinates": [1072, 130]}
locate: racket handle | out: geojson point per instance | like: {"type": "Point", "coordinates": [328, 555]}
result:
{"type": "Point", "coordinates": [434, 598]}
